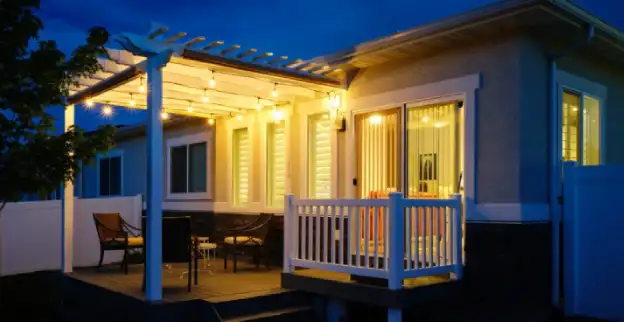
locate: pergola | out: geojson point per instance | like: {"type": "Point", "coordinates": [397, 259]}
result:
{"type": "Point", "coordinates": [165, 75]}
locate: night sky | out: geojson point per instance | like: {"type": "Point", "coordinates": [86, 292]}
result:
{"type": "Point", "coordinates": [298, 29]}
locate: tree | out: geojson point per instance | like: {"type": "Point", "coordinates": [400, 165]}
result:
{"type": "Point", "coordinates": [34, 75]}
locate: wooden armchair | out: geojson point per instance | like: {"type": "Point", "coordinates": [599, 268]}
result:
{"type": "Point", "coordinates": [249, 237]}
{"type": "Point", "coordinates": [116, 234]}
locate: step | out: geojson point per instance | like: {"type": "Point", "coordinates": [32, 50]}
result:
{"type": "Point", "coordinates": [262, 303]}
{"type": "Point", "coordinates": [300, 314]}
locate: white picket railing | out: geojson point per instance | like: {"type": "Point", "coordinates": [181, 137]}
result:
{"type": "Point", "coordinates": [392, 238]}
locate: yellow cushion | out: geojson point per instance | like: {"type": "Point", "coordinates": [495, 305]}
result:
{"type": "Point", "coordinates": [132, 241]}
{"type": "Point", "coordinates": [244, 240]}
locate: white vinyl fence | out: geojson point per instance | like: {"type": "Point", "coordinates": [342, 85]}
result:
{"type": "Point", "coordinates": [30, 233]}
{"type": "Point", "coordinates": [393, 238]}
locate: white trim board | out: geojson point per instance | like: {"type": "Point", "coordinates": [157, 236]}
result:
{"type": "Point", "coordinates": [511, 212]}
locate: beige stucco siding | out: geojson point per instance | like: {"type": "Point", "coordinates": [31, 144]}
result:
{"type": "Point", "coordinates": [498, 121]}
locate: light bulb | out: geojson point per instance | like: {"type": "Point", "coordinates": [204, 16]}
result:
{"type": "Point", "coordinates": [89, 102]}
{"type": "Point", "coordinates": [211, 121]}
{"type": "Point", "coordinates": [164, 115]}
{"type": "Point", "coordinates": [212, 82]}
{"type": "Point", "coordinates": [107, 110]}
{"type": "Point", "coordinates": [141, 87]}
{"type": "Point", "coordinates": [132, 103]}
{"type": "Point", "coordinates": [274, 93]}
{"type": "Point", "coordinates": [239, 117]}
{"type": "Point", "coordinates": [258, 106]}
{"type": "Point", "coordinates": [425, 119]}
{"type": "Point", "coordinates": [205, 99]}
{"type": "Point", "coordinates": [375, 119]}
{"type": "Point", "coordinates": [190, 109]}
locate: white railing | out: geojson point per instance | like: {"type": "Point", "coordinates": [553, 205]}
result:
{"type": "Point", "coordinates": [392, 238]}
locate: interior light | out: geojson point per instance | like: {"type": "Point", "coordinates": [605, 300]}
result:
{"type": "Point", "coordinates": [575, 109]}
{"type": "Point", "coordinates": [375, 119]}
{"type": "Point", "coordinates": [164, 115]}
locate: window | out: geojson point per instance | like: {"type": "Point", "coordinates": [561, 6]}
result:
{"type": "Point", "coordinates": [580, 119]}
{"type": "Point", "coordinates": [276, 164]}
{"type": "Point", "coordinates": [241, 163]}
{"type": "Point", "coordinates": [432, 145]}
{"type": "Point", "coordinates": [109, 175]}
{"type": "Point", "coordinates": [188, 168]}
{"type": "Point", "coordinates": [319, 156]}
{"type": "Point", "coordinates": [378, 153]}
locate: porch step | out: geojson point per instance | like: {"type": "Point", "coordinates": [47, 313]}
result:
{"type": "Point", "coordinates": [300, 314]}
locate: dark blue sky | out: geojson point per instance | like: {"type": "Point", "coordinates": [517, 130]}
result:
{"type": "Point", "coordinates": [302, 29]}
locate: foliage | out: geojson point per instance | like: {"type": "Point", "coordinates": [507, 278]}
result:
{"type": "Point", "coordinates": [34, 75]}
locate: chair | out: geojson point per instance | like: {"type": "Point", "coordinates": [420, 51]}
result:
{"type": "Point", "coordinates": [116, 234]}
{"type": "Point", "coordinates": [178, 245]}
{"type": "Point", "coordinates": [251, 236]}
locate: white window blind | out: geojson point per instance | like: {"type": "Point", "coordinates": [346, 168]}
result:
{"type": "Point", "coordinates": [276, 164]}
{"type": "Point", "coordinates": [319, 156]}
{"type": "Point", "coordinates": [241, 163]}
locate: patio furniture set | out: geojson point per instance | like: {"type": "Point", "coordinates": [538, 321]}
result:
{"type": "Point", "coordinates": [180, 244]}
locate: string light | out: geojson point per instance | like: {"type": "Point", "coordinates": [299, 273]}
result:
{"type": "Point", "coordinates": [205, 98]}
{"type": "Point", "coordinates": [258, 105]}
{"type": "Point", "coordinates": [164, 115]}
{"type": "Point", "coordinates": [212, 82]}
{"type": "Point", "coordinates": [89, 102]}
{"type": "Point", "coordinates": [107, 110]}
{"type": "Point", "coordinates": [141, 87]}
{"type": "Point", "coordinates": [274, 93]}
{"type": "Point", "coordinates": [240, 115]}
{"type": "Point", "coordinates": [190, 107]}
{"type": "Point", "coordinates": [132, 102]}
{"type": "Point", "coordinates": [277, 115]}
{"type": "Point", "coordinates": [211, 121]}
{"type": "Point", "coordinates": [336, 101]}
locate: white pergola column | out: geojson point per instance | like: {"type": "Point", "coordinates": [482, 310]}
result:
{"type": "Point", "coordinates": [67, 209]}
{"type": "Point", "coordinates": [155, 181]}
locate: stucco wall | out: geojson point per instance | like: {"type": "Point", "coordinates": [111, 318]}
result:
{"type": "Point", "coordinates": [499, 116]}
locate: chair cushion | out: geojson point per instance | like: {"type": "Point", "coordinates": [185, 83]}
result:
{"type": "Point", "coordinates": [132, 241]}
{"type": "Point", "coordinates": [207, 245]}
{"type": "Point", "coordinates": [243, 240]}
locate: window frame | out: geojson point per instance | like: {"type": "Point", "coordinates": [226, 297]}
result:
{"type": "Point", "coordinates": [202, 137]}
{"type": "Point", "coordinates": [110, 154]}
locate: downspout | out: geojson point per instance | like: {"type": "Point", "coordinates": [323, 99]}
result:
{"type": "Point", "coordinates": [556, 197]}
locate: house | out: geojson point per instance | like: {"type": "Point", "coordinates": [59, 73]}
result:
{"type": "Point", "coordinates": [486, 104]}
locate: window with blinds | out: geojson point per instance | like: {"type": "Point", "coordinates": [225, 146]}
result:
{"type": "Point", "coordinates": [241, 163]}
{"type": "Point", "coordinates": [432, 149]}
{"type": "Point", "coordinates": [378, 154]}
{"type": "Point", "coordinates": [580, 114]}
{"type": "Point", "coordinates": [319, 156]}
{"type": "Point", "coordinates": [276, 164]}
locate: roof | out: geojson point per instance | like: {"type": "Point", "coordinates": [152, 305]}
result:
{"type": "Point", "coordinates": [553, 16]}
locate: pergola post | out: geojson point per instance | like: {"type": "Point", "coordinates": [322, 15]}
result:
{"type": "Point", "coordinates": [153, 243]}
{"type": "Point", "coordinates": [67, 209]}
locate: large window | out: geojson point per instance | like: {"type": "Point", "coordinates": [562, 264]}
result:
{"type": "Point", "coordinates": [580, 128]}
{"type": "Point", "coordinates": [432, 149]}
{"type": "Point", "coordinates": [276, 164]}
{"type": "Point", "coordinates": [188, 168]}
{"type": "Point", "coordinates": [319, 156]}
{"type": "Point", "coordinates": [241, 164]}
{"type": "Point", "coordinates": [109, 175]}
{"type": "Point", "coordinates": [378, 154]}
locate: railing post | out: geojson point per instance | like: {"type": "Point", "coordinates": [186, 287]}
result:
{"type": "Point", "coordinates": [457, 235]}
{"type": "Point", "coordinates": [289, 219]}
{"type": "Point", "coordinates": [396, 244]}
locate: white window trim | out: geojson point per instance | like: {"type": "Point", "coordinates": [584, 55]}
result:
{"type": "Point", "coordinates": [248, 122]}
{"type": "Point", "coordinates": [202, 137]}
{"type": "Point", "coordinates": [266, 120]}
{"type": "Point", "coordinates": [305, 114]}
{"type": "Point", "coordinates": [464, 87]}
{"type": "Point", "coordinates": [110, 154]}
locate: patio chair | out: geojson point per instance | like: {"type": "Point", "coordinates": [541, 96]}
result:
{"type": "Point", "coordinates": [249, 237]}
{"type": "Point", "coordinates": [116, 234]}
{"type": "Point", "coordinates": [178, 245]}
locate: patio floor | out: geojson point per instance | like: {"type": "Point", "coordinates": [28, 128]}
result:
{"type": "Point", "coordinates": [216, 285]}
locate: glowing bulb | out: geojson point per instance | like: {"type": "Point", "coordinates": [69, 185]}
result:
{"type": "Point", "coordinates": [89, 102]}
{"type": "Point", "coordinates": [258, 106]}
{"type": "Point", "coordinates": [277, 115]}
{"type": "Point", "coordinates": [274, 93]}
{"type": "Point", "coordinates": [425, 119]}
{"type": "Point", "coordinates": [141, 87]}
{"type": "Point", "coordinates": [239, 117]}
{"type": "Point", "coordinates": [107, 110]}
{"type": "Point", "coordinates": [375, 119]}
{"type": "Point", "coordinates": [575, 109]}
{"type": "Point", "coordinates": [205, 99]}
{"type": "Point", "coordinates": [132, 102]}
{"type": "Point", "coordinates": [211, 121]}
{"type": "Point", "coordinates": [336, 100]}
{"type": "Point", "coordinates": [190, 108]}
{"type": "Point", "coordinates": [164, 115]}
{"type": "Point", "coordinates": [212, 83]}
